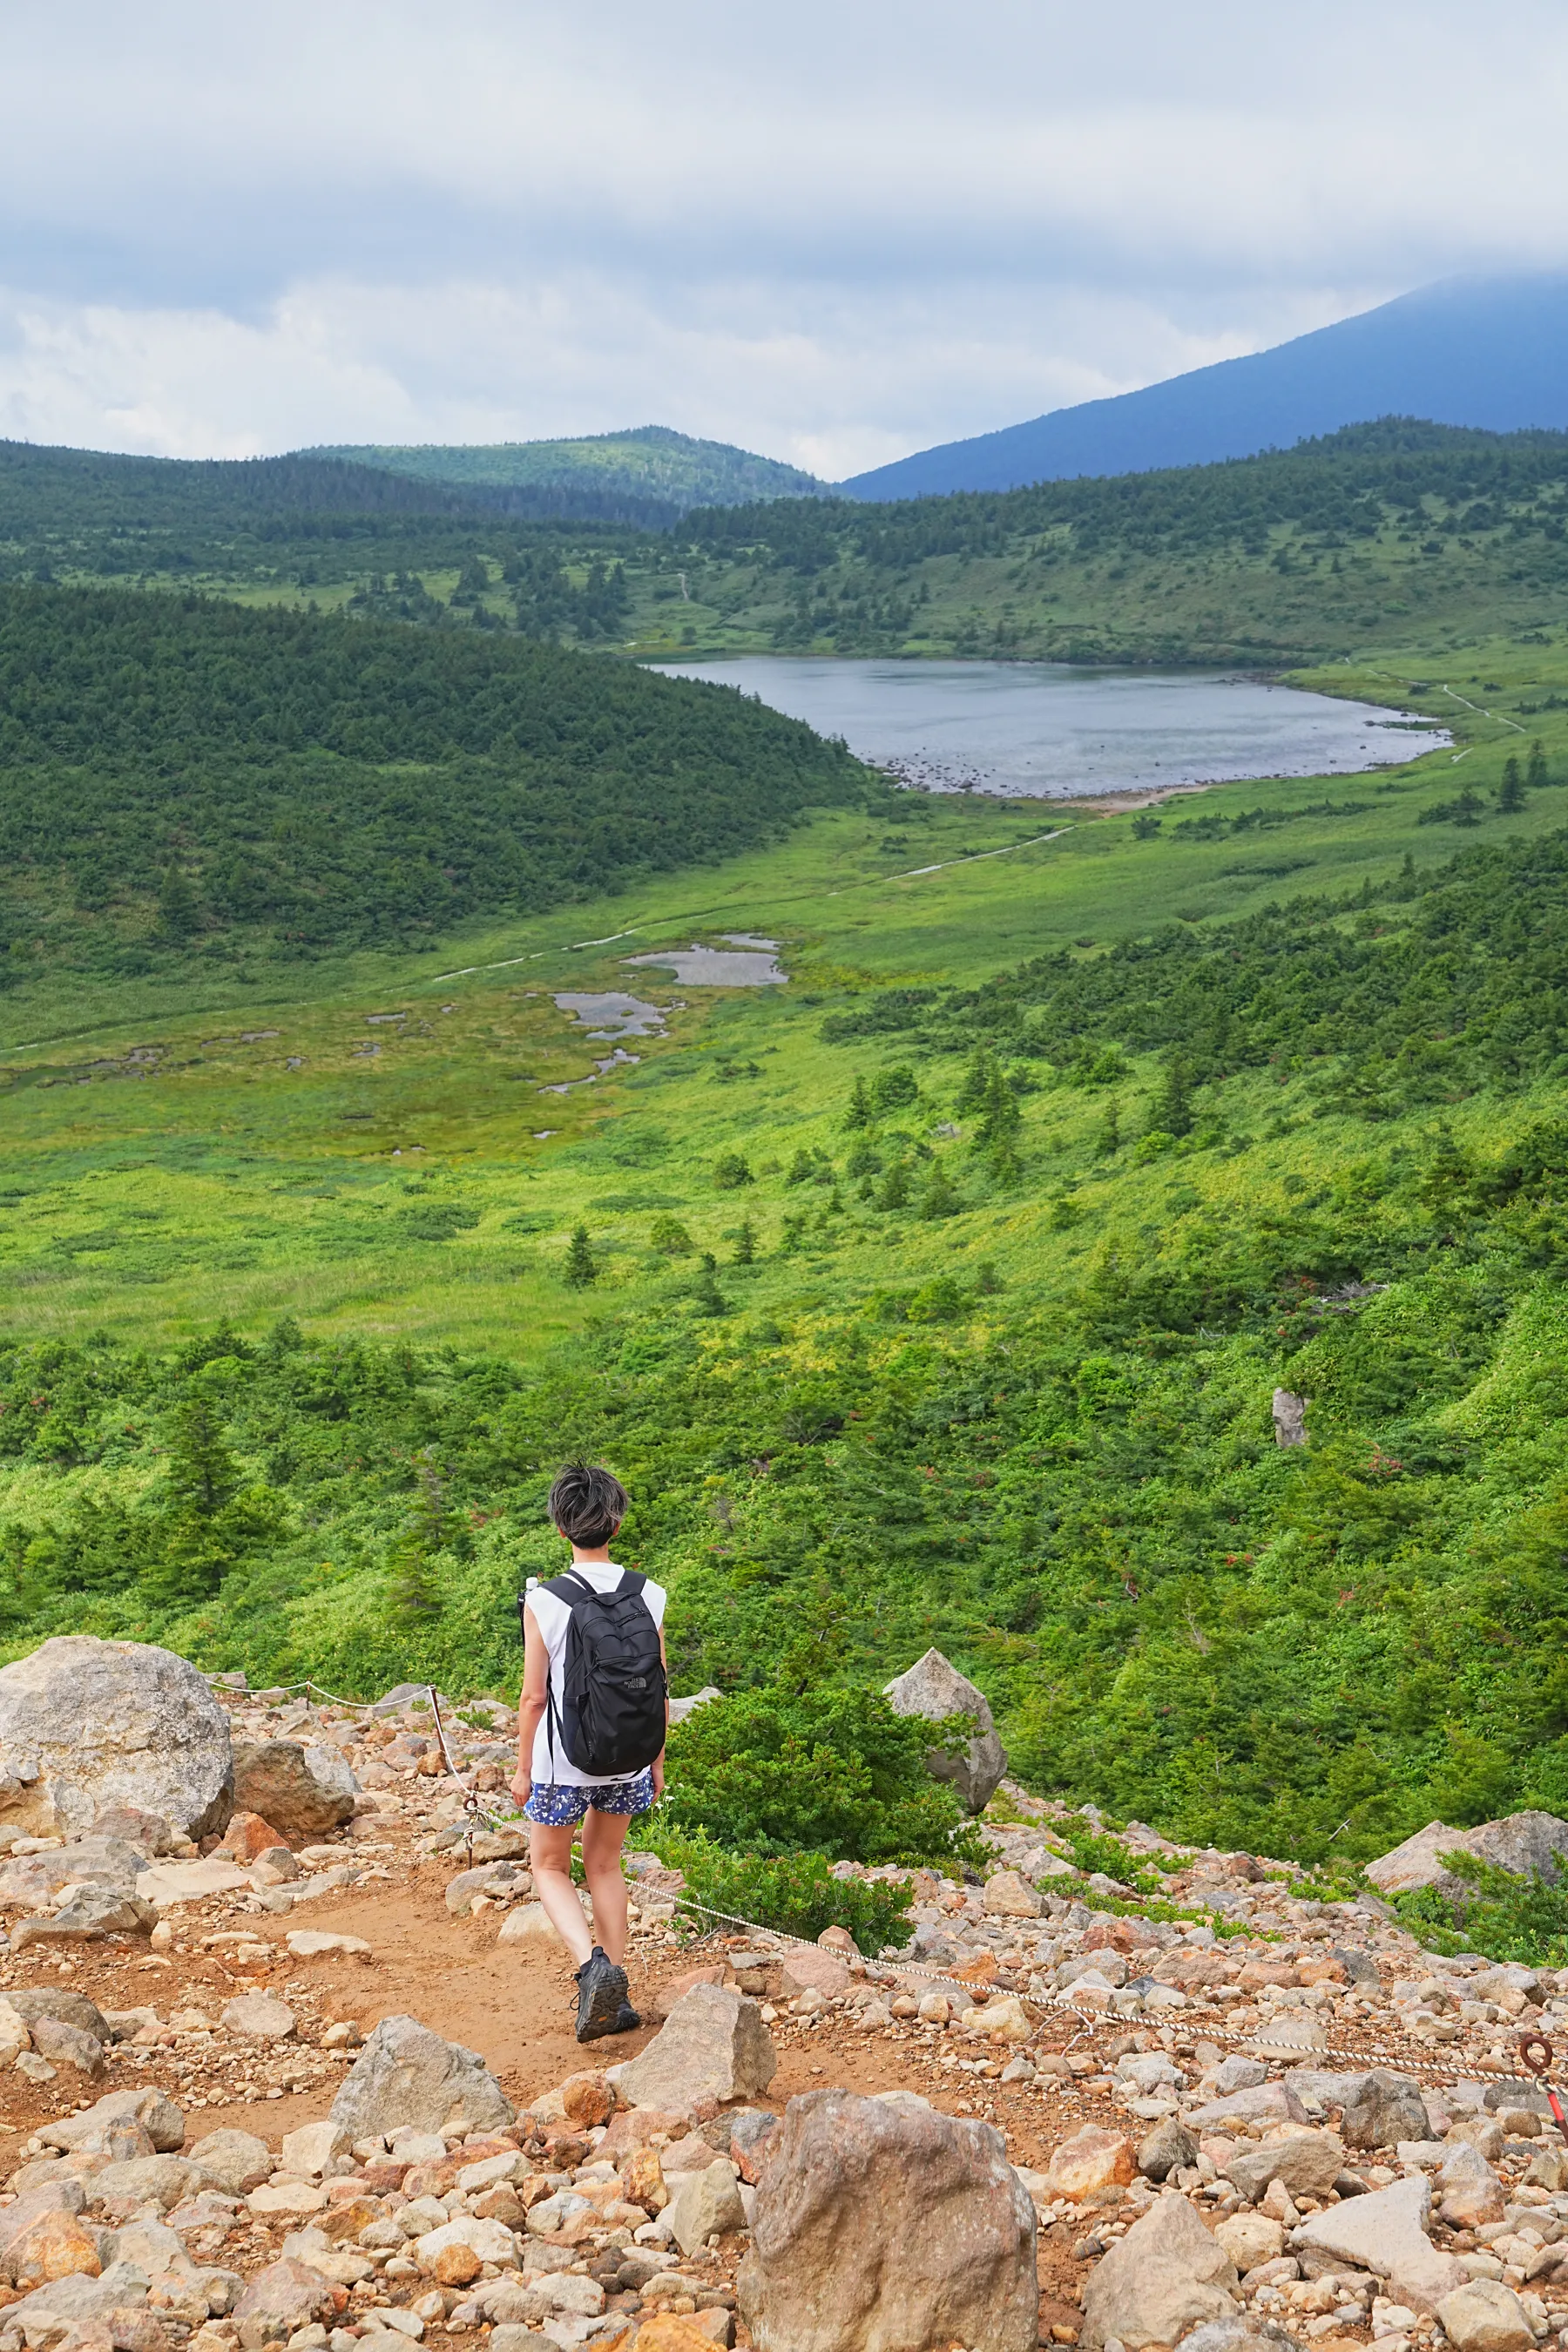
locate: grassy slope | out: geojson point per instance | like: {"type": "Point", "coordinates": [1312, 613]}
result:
{"type": "Point", "coordinates": [246, 1146]}
{"type": "Point", "coordinates": [653, 461]}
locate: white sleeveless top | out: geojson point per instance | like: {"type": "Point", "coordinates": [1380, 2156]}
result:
{"type": "Point", "coordinates": [552, 1618]}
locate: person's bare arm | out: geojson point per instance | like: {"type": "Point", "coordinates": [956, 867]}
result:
{"type": "Point", "coordinates": [531, 1706]}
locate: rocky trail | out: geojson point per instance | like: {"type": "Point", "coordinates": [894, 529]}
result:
{"type": "Point", "coordinates": [285, 2056]}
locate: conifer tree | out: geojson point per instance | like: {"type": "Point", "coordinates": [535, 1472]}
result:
{"type": "Point", "coordinates": [580, 1269]}
{"type": "Point", "coordinates": [746, 1244]}
{"type": "Point", "coordinates": [178, 914]}
{"type": "Point", "coordinates": [1510, 792]}
{"type": "Point", "coordinates": [1537, 775]}
{"type": "Point", "coordinates": [1172, 1108]}
{"type": "Point", "coordinates": [1107, 1139]}
{"type": "Point", "coordinates": [858, 1113]}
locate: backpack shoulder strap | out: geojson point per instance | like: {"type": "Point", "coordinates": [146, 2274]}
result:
{"type": "Point", "coordinates": [631, 1583]}
{"type": "Point", "coordinates": [570, 1587]}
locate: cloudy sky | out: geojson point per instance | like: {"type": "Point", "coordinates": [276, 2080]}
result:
{"type": "Point", "coordinates": [832, 232]}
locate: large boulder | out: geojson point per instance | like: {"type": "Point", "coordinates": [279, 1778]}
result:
{"type": "Point", "coordinates": [1485, 2316]}
{"type": "Point", "coordinates": [712, 2045]}
{"type": "Point", "coordinates": [1308, 2164]}
{"type": "Point", "coordinates": [1166, 2275]}
{"type": "Point", "coordinates": [406, 2075]}
{"type": "Point", "coordinates": [158, 2116]}
{"type": "Point", "coordinates": [1383, 2109]}
{"type": "Point", "coordinates": [880, 2223]}
{"type": "Point", "coordinates": [302, 1791]}
{"type": "Point", "coordinates": [1519, 1841]}
{"type": "Point", "coordinates": [86, 1725]}
{"type": "Point", "coordinates": [936, 1689]}
{"type": "Point", "coordinates": [1386, 2232]}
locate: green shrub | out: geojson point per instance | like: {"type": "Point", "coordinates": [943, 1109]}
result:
{"type": "Point", "coordinates": [731, 1172]}
{"type": "Point", "coordinates": [795, 1893]}
{"type": "Point", "coordinates": [829, 1770]}
{"type": "Point", "coordinates": [1506, 1916]}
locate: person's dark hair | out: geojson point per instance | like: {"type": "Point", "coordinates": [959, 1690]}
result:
{"type": "Point", "coordinates": [587, 1504]}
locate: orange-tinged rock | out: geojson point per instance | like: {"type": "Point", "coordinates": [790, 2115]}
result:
{"type": "Point", "coordinates": [977, 1971]}
{"type": "Point", "coordinates": [671, 2331]}
{"type": "Point", "coordinates": [343, 2221]}
{"type": "Point", "coordinates": [1328, 1970]}
{"type": "Point", "coordinates": [1090, 2164]}
{"type": "Point", "coordinates": [1255, 1974]}
{"type": "Point", "coordinates": [587, 2100]}
{"type": "Point", "coordinates": [456, 2266]}
{"type": "Point", "coordinates": [247, 1837]}
{"type": "Point", "coordinates": [57, 2246]}
{"type": "Point", "coordinates": [642, 2180]}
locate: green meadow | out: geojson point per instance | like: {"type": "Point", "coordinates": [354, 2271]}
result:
{"type": "Point", "coordinates": [940, 1295]}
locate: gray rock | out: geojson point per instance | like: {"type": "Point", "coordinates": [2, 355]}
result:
{"type": "Point", "coordinates": [679, 1708]}
{"type": "Point", "coordinates": [301, 1792]}
{"type": "Point", "coordinates": [1519, 1841]}
{"type": "Point", "coordinates": [1167, 2276]}
{"type": "Point", "coordinates": [68, 2045]}
{"type": "Point", "coordinates": [1167, 2149]}
{"type": "Point", "coordinates": [881, 2223]}
{"type": "Point", "coordinates": [712, 2045]}
{"type": "Point", "coordinates": [158, 2116]}
{"type": "Point", "coordinates": [490, 1878]}
{"type": "Point", "coordinates": [1289, 1418]}
{"type": "Point", "coordinates": [286, 2295]}
{"type": "Point", "coordinates": [1382, 2110]}
{"type": "Point", "coordinates": [76, 2302]}
{"type": "Point", "coordinates": [706, 2202]}
{"type": "Point", "coordinates": [1309, 2164]}
{"type": "Point", "coordinates": [1238, 2073]}
{"type": "Point", "coordinates": [260, 2017]}
{"type": "Point", "coordinates": [1385, 2232]}
{"type": "Point", "coordinates": [1523, 1842]}
{"type": "Point", "coordinates": [72, 2008]}
{"type": "Point", "coordinates": [936, 1689]}
{"type": "Point", "coordinates": [159, 2179]}
{"type": "Point", "coordinates": [237, 2160]}
{"type": "Point", "coordinates": [86, 1724]}
{"type": "Point", "coordinates": [90, 1917]}
{"type": "Point", "coordinates": [1361, 1970]}
{"type": "Point", "coordinates": [1485, 2316]}
{"type": "Point", "coordinates": [1243, 2334]}
{"type": "Point", "coordinates": [1274, 2099]}
{"type": "Point", "coordinates": [406, 2075]}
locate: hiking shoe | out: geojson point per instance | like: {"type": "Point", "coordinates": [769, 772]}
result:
{"type": "Point", "coordinates": [601, 1989]}
{"type": "Point", "coordinates": [629, 2020]}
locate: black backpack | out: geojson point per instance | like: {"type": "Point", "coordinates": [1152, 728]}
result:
{"type": "Point", "coordinates": [612, 1723]}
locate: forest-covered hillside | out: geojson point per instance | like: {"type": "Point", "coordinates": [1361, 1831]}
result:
{"type": "Point", "coordinates": [175, 771]}
{"type": "Point", "coordinates": [1056, 1463]}
{"type": "Point", "coordinates": [1384, 536]}
{"type": "Point", "coordinates": [650, 464]}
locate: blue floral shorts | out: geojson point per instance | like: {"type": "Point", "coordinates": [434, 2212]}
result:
{"type": "Point", "coordinates": [554, 1806]}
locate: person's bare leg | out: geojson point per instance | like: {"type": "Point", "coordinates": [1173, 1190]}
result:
{"type": "Point", "coordinates": [549, 1858]}
{"type": "Point", "coordinates": [604, 1835]}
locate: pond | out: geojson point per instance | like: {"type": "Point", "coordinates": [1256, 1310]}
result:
{"type": "Point", "coordinates": [1042, 729]}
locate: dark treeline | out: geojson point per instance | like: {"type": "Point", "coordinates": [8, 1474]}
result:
{"type": "Point", "coordinates": [182, 768]}
{"type": "Point", "coordinates": [1340, 486]}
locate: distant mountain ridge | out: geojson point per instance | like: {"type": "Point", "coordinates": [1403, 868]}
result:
{"type": "Point", "coordinates": [1489, 353]}
{"type": "Point", "coordinates": [649, 465]}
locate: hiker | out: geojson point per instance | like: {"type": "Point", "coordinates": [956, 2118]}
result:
{"type": "Point", "coordinates": [591, 1730]}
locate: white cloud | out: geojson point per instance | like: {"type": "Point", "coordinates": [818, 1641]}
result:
{"type": "Point", "coordinates": [835, 234]}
